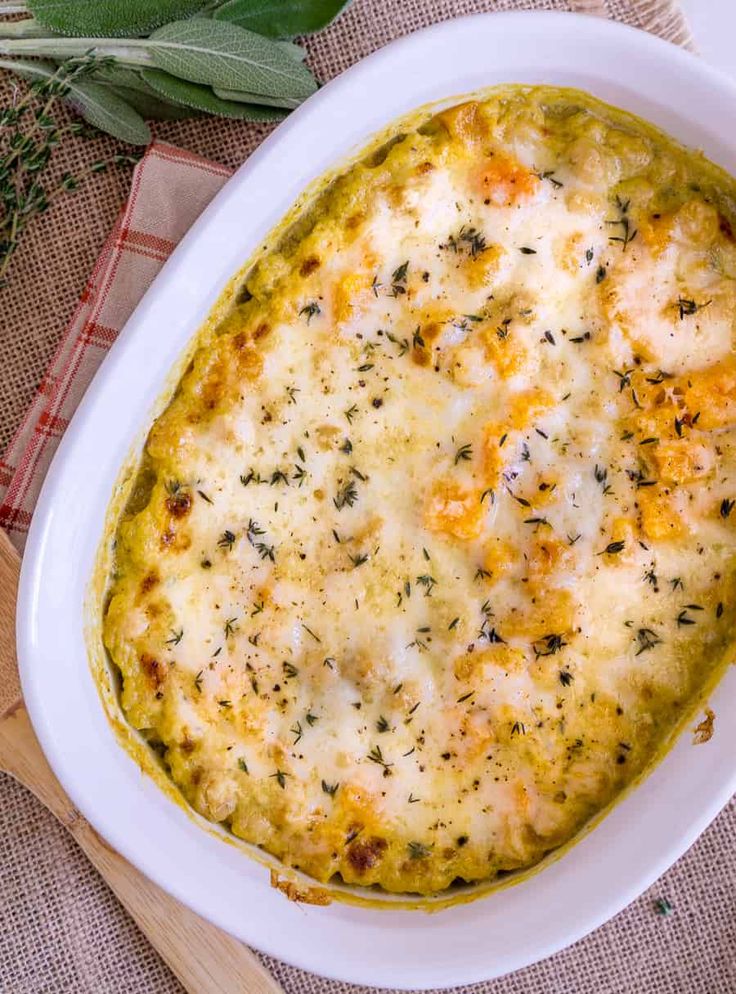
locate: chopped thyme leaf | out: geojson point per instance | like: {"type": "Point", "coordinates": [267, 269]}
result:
{"type": "Point", "coordinates": [359, 559]}
{"type": "Point", "coordinates": [398, 280]}
{"type": "Point", "coordinates": [204, 497]}
{"type": "Point", "coordinates": [482, 574]}
{"type": "Point", "coordinates": [231, 626]}
{"type": "Point", "coordinates": [550, 176]}
{"type": "Point", "coordinates": [600, 274]}
{"type": "Point", "coordinates": [726, 507]}
{"type": "Point", "coordinates": [376, 756]}
{"type": "Point", "coordinates": [413, 800]}
{"type": "Point", "coordinates": [310, 310]}
{"type": "Point", "coordinates": [296, 730]}
{"type": "Point", "coordinates": [310, 718]}
{"type": "Point", "coordinates": [226, 540]}
{"type": "Point", "coordinates": [242, 765]}
{"type": "Point", "coordinates": [488, 493]}
{"type": "Point", "coordinates": [330, 788]}
{"type": "Point", "coordinates": [176, 637]}
{"type": "Point", "coordinates": [663, 907]}
{"type": "Point", "coordinates": [251, 477]}
{"type": "Point", "coordinates": [257, 608]}
{"type": "Point", "coordinates": [198, 681]}
{"type": "Point", "coordinates": [464, 453]}
{"type": "Point", "coordinates": [292, 392]}
{"type": "Point", "coordinates": [266, 551]}
{"type": "Point", "coordinates": [382, 725]}
{"type": "Point", "coordinates": [518, 728]}
{"type": "Point", "coordinates": [624, 222]}
{"type": "Point", "coordinates": [624, 379]}
{"type": "Point", "coordinates": [453, 624]}
{"type": "Point", "coordinates": [566, 678]}
{"type": "Point", "coordinates": [310, 632]}
{"type": "Point", "coordinates": [417, 850]}
{"type": "Point", "coordinates": [647, 639]}
{"type": "Point", "coordinates": [351, 412]}
{"type": "Point", "coordinates": [346, 496]}
{"type": "Point", "coordinates": [525, 250]}
{"type": "Point", "coordinates": [280, 778]}
{"type": "Point", "coordinates": [426, 581]}
{"type": "Point", "coordinates": [225, 704]}
{"type": "Point", "coordinates": [684, 619]}
{"type": "Point", "coordinates": [613, 549]}
{"type": "Point", "coordinates": [289, 669]}
{"type": "Point", "coordinates": [548, 645]}
{"type": "Point", "coordinates": [688, 307]}
{"type": "Point", "coordinates": [465, 697]}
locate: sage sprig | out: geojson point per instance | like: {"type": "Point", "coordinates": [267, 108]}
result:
{"type": "Point", "coordinates": [119, 63]}
{"type": "Point", "coordinates": [235, 58]}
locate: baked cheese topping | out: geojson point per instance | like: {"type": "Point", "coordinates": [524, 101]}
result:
{"type": "Point", "coordinates": [434, 544]}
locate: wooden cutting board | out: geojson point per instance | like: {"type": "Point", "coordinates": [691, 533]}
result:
{"type": "Point", "coordinates": [206, 960]}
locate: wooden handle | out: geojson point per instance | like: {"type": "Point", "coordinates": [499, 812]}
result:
{"type": "Point", "coordinates": [206, 960]}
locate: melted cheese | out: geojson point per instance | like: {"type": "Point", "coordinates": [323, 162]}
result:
{"type": "Point", "coordinates": [434, 544]}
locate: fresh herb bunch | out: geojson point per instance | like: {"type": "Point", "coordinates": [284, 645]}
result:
{"type": "Point", "coordinates": [29, 132]}
{"type": "Point", "coordinates": [119, 62]}
{"type": "Point", "coordinates": [162, 57]}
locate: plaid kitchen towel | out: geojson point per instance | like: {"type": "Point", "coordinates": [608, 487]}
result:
{"type": "Point", "coordinates": [170, 188]}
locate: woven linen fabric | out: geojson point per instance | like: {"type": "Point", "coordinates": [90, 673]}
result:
{"type": "Point", "coordinates": [63, 931]}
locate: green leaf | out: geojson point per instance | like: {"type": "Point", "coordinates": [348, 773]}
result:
{"type": "Point", "coordinates": [240, 97]}
{"type": "Point", "coordinates": [129, 85]}
{"type": "Point", "coordinates": [293, 50]}
{"type": "Point", "coordinates": [103, 108]}
{"type": "Point", "coordinates": [152, 107]}
{"type": "Point", "coordinates": [95, 102]}
{"type": "Point", "coordinates": [110, 18]}
{"type": "Point", "coordinates": [280, 18]}
{"type": "Point", "coordinates": [202, 98]}
{"type": "Point", "coordinates": [229, 57]}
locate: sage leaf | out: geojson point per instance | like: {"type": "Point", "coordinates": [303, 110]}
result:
{"type": "Point", "coordinates": [227, 56]}
{"type": "Point", "coordinates": [95, 102]}
{"type": "Point", "coordinates": [98, 105]}
{"type": "Point", "coordinates": [135, 91]}
{"type": "Point", "coordinates": [202, 98]}
{"type": "Point", "coordinates": [293, 50]}
{"type": "Point", "coordinates": [241, 97]}
{"type": "Point", "coordinates": [280, 18]}
{"type": "Point", "coordinates": [152, 107]}
{"type": "Point", "coordinates": [110, 18]}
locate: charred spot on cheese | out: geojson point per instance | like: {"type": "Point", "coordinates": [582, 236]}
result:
{"type": "Point", "coordinates": [433, 546]}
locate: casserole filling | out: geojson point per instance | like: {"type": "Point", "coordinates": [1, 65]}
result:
{"type": "Point", "coordinates": [432, 549]}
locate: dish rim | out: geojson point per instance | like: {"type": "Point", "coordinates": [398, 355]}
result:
{"type": "Point", "coordinates": [36, 599]}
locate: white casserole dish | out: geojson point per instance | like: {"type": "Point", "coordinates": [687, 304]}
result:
{"type": "Point", "coordinates": [645, 832]}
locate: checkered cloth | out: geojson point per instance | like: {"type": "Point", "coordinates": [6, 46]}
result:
{"type": "Point", "coordinates": [170, 188]}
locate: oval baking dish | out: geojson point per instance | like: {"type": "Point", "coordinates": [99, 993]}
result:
{"type": "Point", "coordinates": [130, 811]}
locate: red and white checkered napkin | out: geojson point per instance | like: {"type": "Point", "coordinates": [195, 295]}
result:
{"type": "Point", "coordinates": [170, 189]}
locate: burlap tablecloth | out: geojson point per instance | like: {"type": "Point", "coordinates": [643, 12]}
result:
{"type": "Point", "coordinates": [61, 930]}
